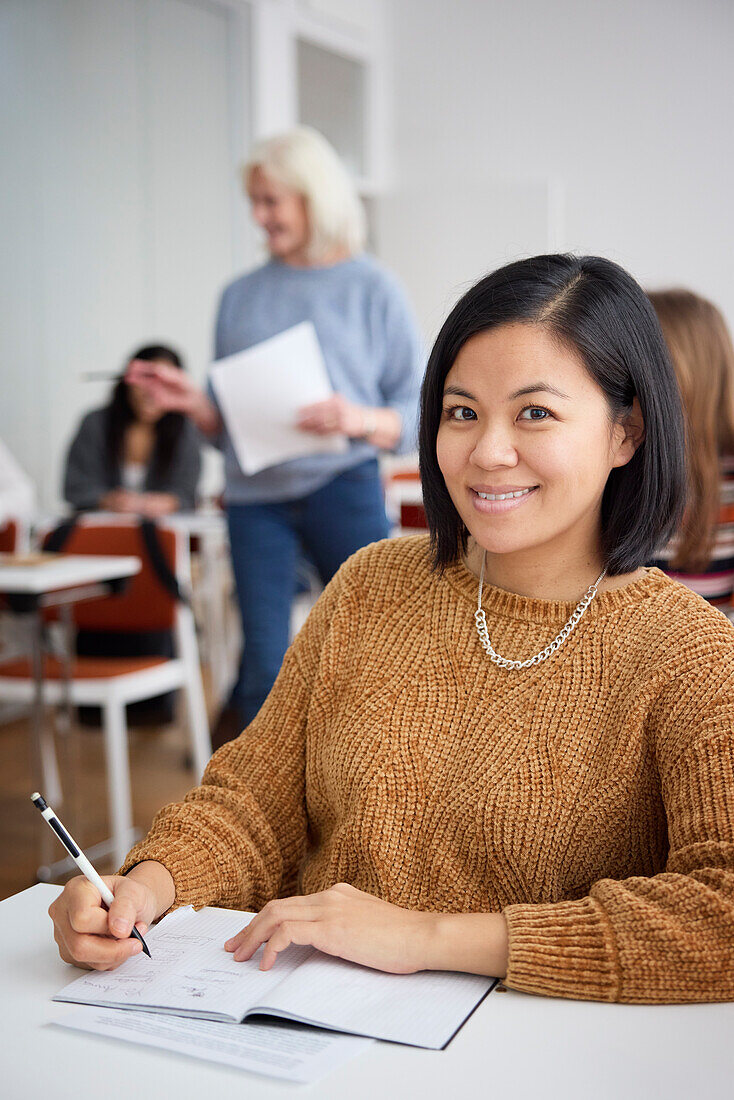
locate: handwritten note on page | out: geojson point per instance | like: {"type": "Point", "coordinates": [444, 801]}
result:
{"type": "Point", "coordinates": [189, 972]}
{"type": "Point", "coordinates": [260, 391]}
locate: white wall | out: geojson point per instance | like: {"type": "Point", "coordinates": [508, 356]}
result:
{"type": "Point", "coordinates": [123, 127]}
{"type": "Point", "coordinates": [123, 122]}
{"type": "Point", "coordinates": [617, 116]}
{"type": "Point", "coordinates": [514, 127]}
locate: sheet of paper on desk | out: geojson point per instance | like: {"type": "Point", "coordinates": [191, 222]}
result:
{"type": "Point", "coordinates": [260, 391]}
{"type": "Point", "coordinates": [291, 1052]}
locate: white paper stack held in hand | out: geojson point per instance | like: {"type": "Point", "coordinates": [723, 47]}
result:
{"type": "Point", "coordinates": [190, 974]}
{"type": "Point", "coordinates": [260, 390]}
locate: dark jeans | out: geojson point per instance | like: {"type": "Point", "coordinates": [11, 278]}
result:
{"type": "Point", "coordinates": [267, 541]}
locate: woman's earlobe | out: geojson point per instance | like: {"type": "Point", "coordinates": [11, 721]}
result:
{"type": "Point", "coordinates": [635, 425]}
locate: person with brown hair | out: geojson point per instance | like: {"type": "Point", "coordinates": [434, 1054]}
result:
{"type": "Point", "coordinates": [701, 555]}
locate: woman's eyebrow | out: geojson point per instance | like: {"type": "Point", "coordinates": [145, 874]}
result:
{"type": "Point", "coordinates": [536, 387]}
{"type": "Point", "coordinates": [539, 387]}
{"type": "Point", "coordinates": [456, 391]}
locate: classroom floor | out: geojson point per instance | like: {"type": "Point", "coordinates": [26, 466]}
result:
{"type": "Point", "coordinates": [160, 773]}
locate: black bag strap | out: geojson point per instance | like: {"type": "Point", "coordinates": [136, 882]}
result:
{"type": "Point", "coordinates": [161, 568]}
{"type": "Point", "coordinates": [57, 539]}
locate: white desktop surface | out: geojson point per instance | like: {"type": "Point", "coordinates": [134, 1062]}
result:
{"type": "Point", "coordinates": [66, 571]}
{"type": "Point", "coordinates": [514, 1047]}
{"type": "Point", "coordinates": [201, 521]}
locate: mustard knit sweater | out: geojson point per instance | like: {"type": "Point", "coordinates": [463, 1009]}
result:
{"type": "Point", "coordinates": [591, 798]}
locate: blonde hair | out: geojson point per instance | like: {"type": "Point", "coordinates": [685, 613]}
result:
{"type": "Point", "coordinates": [303, 160]}
{"type": "Point", "coordinates": [703, 357]}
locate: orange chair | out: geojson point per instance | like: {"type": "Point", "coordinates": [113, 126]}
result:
{"type": "Point", "coordinates": [8, 545]}
{"type": "Point", "coordinates": [14, 536]}
{"type": "Point", "coordinates": [403, 500]}
{"type": "Point", "coordinates": [412, 517]}
{"type": "Point", "coordinates": [8, 537]}
{"type": "Point", "coordinates": [111, 683]}
{"type": "Point", "coordinates": [13, 540]}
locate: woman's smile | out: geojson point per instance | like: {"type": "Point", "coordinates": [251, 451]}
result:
{"type": "Point", "coordinates": [494, 502]}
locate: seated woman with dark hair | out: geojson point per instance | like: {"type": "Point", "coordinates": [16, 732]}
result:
{"type": "Point", "coordinates": [131, 455]}
{"type": "Point", "coordinates": [507, 747]}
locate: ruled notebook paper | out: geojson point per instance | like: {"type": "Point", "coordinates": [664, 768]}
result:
{"type": "Point", "coordinates": [424, 1009]}
{"type": "Point", "coordinates": [190, 974]}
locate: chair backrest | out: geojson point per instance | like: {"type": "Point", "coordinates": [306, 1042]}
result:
{"type": "Point", "coordinates": [413, 516]}
{"type": "Point", "coordinates": [9, 537]}
{"type": "Point", "coordinates": [145, 603]}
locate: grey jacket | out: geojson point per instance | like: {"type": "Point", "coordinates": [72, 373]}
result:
{"type": "Point", "coordinates": [89, 473]}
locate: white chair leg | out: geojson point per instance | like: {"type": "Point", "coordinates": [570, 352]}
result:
{"type": "Point", "coordinates": [213, 549]}
{"type": "Point", "coordinates": [50, 766]}
{"type": "Point", "coordinates": [188, 652]}
{"type": "Point", "coordinates": [118, 777]}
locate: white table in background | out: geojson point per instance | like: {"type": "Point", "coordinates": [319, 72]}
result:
{"type": "Point", "coordinates": [58, 581]}
{"type": "Point", "coordinates": [67, 571]}
{"type": "Point", "coordinates": [514, 1047]}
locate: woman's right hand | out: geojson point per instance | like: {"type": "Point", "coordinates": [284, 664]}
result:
{"type": "Point", "coordinates": [170, 388]}
{"type": "Point", "coordinates": [90, 936]}
{"type": "Point", "coordinates": [173, 391]}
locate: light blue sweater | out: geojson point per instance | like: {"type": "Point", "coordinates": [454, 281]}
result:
{"type": "Point", "coordinates": [371, 347]}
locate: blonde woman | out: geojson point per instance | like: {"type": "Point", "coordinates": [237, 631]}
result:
{"type": "Point", "coordinates": [702, 555]}
{"type": "Point", "coordinates": [326, 504]}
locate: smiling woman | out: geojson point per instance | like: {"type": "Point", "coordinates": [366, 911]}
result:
{"type": "Point", "coordinates": [601, 448]}
{"type": "Point", "coordinates": [562, 816]}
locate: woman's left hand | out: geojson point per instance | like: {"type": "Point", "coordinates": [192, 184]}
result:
{"type": "Point", "coordinates": [336, 415]}
{"type": "Point", "coordinates": [341, 921]}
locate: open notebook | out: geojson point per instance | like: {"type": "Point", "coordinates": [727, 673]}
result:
{"type": "Point", "coordinates": [190, 974]}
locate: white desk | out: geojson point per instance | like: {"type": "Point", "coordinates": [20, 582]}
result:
{"type": "Point", "coordinates": [65, 571]}
{"type": "Point", "coordinates": [56, 582]}
{"type": "Point", "coordinates": [514, 1047]}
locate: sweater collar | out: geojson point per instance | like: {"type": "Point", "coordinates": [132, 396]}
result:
{"type": "Point", "coordinates": [508, 605]}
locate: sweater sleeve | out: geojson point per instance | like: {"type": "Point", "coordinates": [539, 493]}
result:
{"type": "Point", "coordinates": [239, 838]}
{"type": "Point", "coordinates": [87, 476]}
{"type": "Point", "coordinates": [403, 363]}
{"type": "Point", "coordinates": [668, 937]}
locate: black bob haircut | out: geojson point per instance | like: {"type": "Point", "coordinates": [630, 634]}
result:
{"type": "Point", "coordinates": [595, 308]}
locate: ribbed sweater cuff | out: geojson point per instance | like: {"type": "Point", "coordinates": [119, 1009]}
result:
{"type": "Point", "coordinates": [562, 949]}
{"type": "Point", "coordinates": [189, 862]}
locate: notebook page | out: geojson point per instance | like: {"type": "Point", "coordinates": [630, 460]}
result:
{"type": "Point", "coordinates": [423, 1009]}
{"type": "Point", "coordinates": [189, 971]}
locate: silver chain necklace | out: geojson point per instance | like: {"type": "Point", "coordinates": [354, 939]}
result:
{"type": "Point", "coordinates": [504, 662]}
